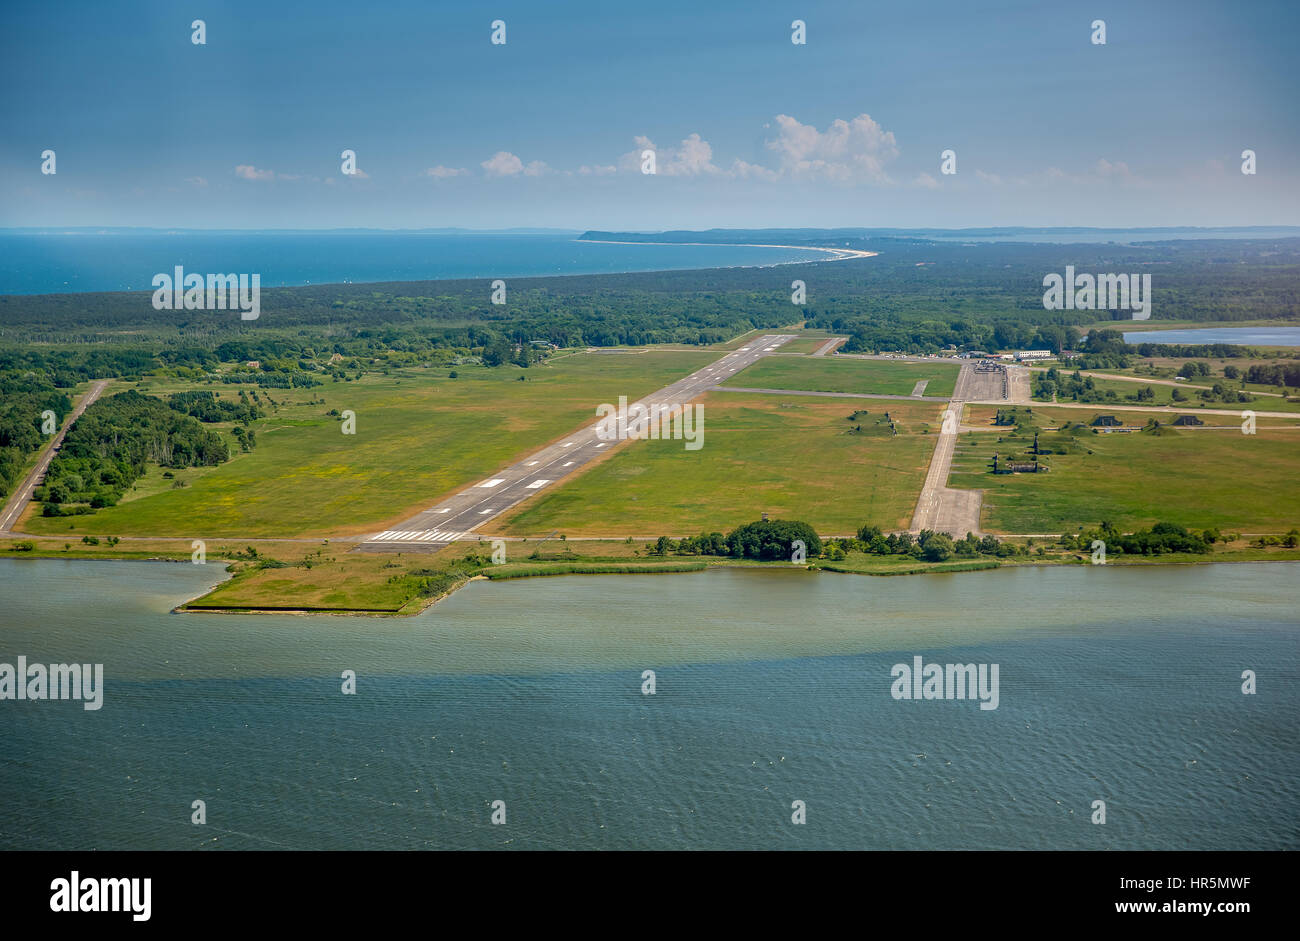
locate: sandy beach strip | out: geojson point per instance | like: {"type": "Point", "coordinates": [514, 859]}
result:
{"type": "Point", "coordinates": [837, 254]}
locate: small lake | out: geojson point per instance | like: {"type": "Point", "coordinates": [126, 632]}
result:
{"type": "Point", "coordinates": [1237, 336]}
{"type": "Point", "coordinates": [1120, 684]}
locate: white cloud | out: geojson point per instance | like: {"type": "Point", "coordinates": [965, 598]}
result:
{"type": "Point", "coordinates": [846, 151]}
{"type": "Point", "coordinates": [926, 181]}
{"type": "Point", "coordinates": [597, 170]}
{"type": "Point", "coordinates": [196, 181]}
{"type": "Point", "coordinates": [693, 157]}
{"type": "Point", "coordinates": [444, 173]}
{"type": "Point", "coordinates": [246, 172]}
{"type": "Point", "coordinates": [503, 163]}
{"type": "Point", "coordinates": [536, 168]}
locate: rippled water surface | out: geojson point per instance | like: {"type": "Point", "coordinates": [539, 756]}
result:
{"type": "Point", "coordinates": [1120, 684]}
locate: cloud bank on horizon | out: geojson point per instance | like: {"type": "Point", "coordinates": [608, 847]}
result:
{"type": "Point", "coordinates": [950, 116]}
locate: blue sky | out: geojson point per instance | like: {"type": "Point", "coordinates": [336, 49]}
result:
{"type": "Point", "coordinates": [749, 129]}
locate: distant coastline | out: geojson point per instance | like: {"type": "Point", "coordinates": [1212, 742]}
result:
{"type": "Point", "coordinates": [839, 254]}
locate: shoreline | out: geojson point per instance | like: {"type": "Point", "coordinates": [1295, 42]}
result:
{"type": "Point", "coordinates": [418, 605]}
{"type": "Point", "coordinates": [841, 254]}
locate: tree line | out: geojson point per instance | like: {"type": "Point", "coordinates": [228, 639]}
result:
{"type": "Point", "coordinates": [110, 446]}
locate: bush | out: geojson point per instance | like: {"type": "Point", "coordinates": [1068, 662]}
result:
{"type": "Point", "coordinates": [937, 547]}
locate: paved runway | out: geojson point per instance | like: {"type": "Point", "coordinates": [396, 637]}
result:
{"type": "Point", "coordinates": [939, 507]}
{"type": "Point", "coordinates": [458, 516]}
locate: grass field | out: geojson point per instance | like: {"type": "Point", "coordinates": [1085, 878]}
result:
{"type": "Point", "coordinates": [333, 582]}
{"type": "Point", "coordinates": [419, 436]}
{"type": "Point", "coordinates": [1164, 395]}
{"type": "Point", "coordinates": [880, 377]}
{"type": "Point", "coordinates": [1196, 477]}
{"type": "Point", "coordinates": [793, 458]}
{"type": "Point", "coordinates": [804, 344]}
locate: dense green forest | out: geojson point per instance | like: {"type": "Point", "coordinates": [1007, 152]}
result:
{"type": "Point", "coordinates": [915, 296]}
{"type": "Point", "coordinates": [24, 398]}
{"type": "Point", "coordinates": [110, 445]}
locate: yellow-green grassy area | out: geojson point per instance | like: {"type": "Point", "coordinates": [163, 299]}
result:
{"type": "Point", "coordinates": [419, 436]}
{"type": "Point", "coordinates": [803, 344]}
{"type": "Point", "coordinates": [819, 374]}
{"type": "Point", "coordinates": [796, 457]}
{"type": "Point", "coordinates": [1199, 477]}
{"type": "Point", "coordinates": [335, 581]}
{"type": "Point", "coordinates": [330, 579]}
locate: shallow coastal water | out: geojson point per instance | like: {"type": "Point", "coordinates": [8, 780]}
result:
{"type": "Point", "coordinates": [1121, 684]}
{"type": "Point", "coordinates": [1236, 336]}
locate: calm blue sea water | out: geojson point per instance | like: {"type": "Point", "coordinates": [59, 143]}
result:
{"type": "Point", "coordinates": [1237, 336]}
{"type": "Point", "coordinates": [120, 261]}
{"type": "Point", "coordinates": [1118, 684]}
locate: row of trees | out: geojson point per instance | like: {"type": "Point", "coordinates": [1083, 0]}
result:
{"type": "Point", "coordinates": [765, 539]}
{"type": "Point", "coordinates": [775, 540]}
{"type": "Point", "coordinates": [204, 405]}
{"type": "Point", "coordinates": [1277, 374]}
{"type": "Point", "coordinates": [1160, 539]}
{"type": "Point", "coordinates": [928, 545]}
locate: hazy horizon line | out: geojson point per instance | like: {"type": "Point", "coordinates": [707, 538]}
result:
{"type": "Point", "coordinates": [547, 230]}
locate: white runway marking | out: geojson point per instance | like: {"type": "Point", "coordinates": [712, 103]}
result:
{"type": "Point", "coordinates": [425, 535]}
{"type": "Point", "coordinates": [538, 483]}
{"type": "Point", "coordinates": [567, 463]}
{"type": "Point", "coordinates": [492, 483]}
{"type": "Point", "coordinates": [531, 463]}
